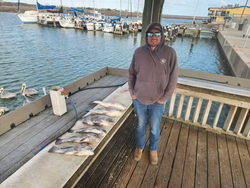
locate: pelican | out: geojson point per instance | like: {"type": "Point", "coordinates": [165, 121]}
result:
{"type": "Point", "coordinates": [44, 90]}
{"type": "Point", "coordinates": [6, 95]}
{"type": "Point", "coordinates": [27, 101]}
{"type": "Point", "coordinates": [1, 112]}
{"type": "Point", "coordinates": [5, 109]}
{"type": "Point", "coordinates": [28, 91]}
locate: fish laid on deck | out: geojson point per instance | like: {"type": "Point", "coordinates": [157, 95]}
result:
{"type": "Point", "coordinates": [98, 120]}
{"type": "Point", "coordinates": [106, 111]}
{"type": "Point", "coordinates": [73, 150]}
{"type": "Point", "coordinates": [97, 130]}
{"type": "Point", "coordinates": [80, 139]}
{"type": "Point", "coordinates": [111, 105]}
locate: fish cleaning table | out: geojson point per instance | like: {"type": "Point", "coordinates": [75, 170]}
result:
{"type": "Point", "coordinates": [22, 165]}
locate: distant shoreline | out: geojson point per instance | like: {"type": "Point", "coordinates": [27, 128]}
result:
{"type": "Point", "coordinates": [12, 7]}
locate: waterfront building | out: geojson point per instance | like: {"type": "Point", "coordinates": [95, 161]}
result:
{"type": "Point", "coordinates": [218, 14]}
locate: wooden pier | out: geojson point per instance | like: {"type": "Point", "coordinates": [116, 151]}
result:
{"type": "Point", "coordinates": [191, 151]}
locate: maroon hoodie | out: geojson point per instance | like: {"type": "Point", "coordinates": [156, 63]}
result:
{"type": "Point", "coordinates": [153, 74]}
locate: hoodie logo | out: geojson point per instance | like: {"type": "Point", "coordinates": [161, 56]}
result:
{"type": "Point", "coordinates": [163, 61]}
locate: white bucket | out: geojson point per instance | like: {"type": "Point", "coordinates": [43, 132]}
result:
{"type": "Point", "coordinates": [58, 101]}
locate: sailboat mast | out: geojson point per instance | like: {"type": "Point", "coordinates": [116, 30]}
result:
{"type": "Point", "coordinates": [18, 5]}
{"type": "Point", "coordinates": [94, 6]}
{"type": "Point", "coordinates": [138, 10]}
{"type": "Point", "coordinates": [195, 11]}
{"type": "Point", "coordinates": [120, 8]}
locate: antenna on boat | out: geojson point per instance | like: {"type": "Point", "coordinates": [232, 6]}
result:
{"type": "Point", "coordinates": [195, 11]}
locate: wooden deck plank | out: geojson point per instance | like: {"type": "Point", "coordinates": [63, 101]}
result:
{"type": "Point", "coordinates": [150, 176]}
{"type": "Point", "coordinates": [213, 163]}
{"type": "Point", "coordinates": [225, 170]}
{"type": "Point", "coordinates": [119, 162]}
{"type": "Point", "coordinates": [190, 160]}
{"type": "Point", "coordinates": [142, 166]}
{"type": "Point", "coordinates": [238, 178]}
{"type": "Point", "coordinates": [29, 148]}
{"type": "Point", "coordinates": [177, 172]}
{"type": "Point", "coordinates": [245, 159]}
{"type": "Point", "coordinates": [103, 163]}
{"type": "Point", "coordinates": [168, 158]}
{"type": "Point", "coordinates": [201, 166]}
{"type": "Point", "coordinates": [123, 180]}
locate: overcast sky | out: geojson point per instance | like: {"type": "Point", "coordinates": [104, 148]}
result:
{"type": "Point", "coordinates": [171, 7]}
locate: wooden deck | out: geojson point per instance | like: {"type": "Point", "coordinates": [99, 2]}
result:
{"type": "Point", "coordinates": [188, 157]}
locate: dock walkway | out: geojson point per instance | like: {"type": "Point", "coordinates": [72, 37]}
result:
{"type": "Point", "coordinates": [237, 55]}
{"type": "Point", "coordinates": [188, 157]}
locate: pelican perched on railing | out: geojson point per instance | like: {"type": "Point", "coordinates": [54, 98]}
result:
{"type": "Point", "coordinates": [6, 95]}
{"type": "Point", "coordinates": [1, 112]}
{"type": "Point", "coordinates": [28, 91]}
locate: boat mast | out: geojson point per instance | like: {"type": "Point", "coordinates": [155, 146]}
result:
{"type": "Point", "coordinates": [195, 11]}
{"type": "Point", "coordinates": [120, 8]}
{"type": "Point", "coordinates": [18, 6]}
{"type": "Point", "coordinates": [138, 10]}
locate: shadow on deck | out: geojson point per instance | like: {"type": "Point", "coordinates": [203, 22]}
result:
{"type": "Point", "coordinates": [188, 157]}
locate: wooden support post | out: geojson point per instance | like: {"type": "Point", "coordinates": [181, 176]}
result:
{"type": "Point", "coordinates": [135, 33]}
{"type": "Point", "coordinates": [183, 33]}
{"type": "Point", "coordinates": [199, 33]}
{"type": "Point", "coordinates": [193, 38]}
{"type": "Point", "coordinates": [94, 27]}
{"type": "Point", "coordinates": [54, 22]}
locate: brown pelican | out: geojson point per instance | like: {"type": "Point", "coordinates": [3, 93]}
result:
{"type": "Point", "coordinates": [28, 91]}
{"type": "Point", "coordinates": [27, 101]}
{"type": "Point", "coordinates": [1, 112]}
{"type": "Point", "coordinates": [5, 109]}
{"type": "Point", "coordinates": [6, 95]}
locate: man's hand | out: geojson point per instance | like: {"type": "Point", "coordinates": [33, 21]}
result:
{"type": "Point", "coordinates": [160, 102]}
{"type": "Point", "coordinates": [133, 96]}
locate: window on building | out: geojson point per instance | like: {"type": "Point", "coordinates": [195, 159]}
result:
{"type": "Point", "coordinates": [223, 13]}
{"type": "Point", "coordinates": [211, 12]}
{"type": "Point", "coordinates": [218, 13]}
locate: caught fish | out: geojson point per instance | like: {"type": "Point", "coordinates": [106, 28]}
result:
{"type": "Point", "coordinates": [111, 105]}
{"type": "Point", "coordinates": [106, 111]}
{"type": "Point", "coordinates": [97, 130]}
{"type": "Point", "coordinates": [80, 139]}
{"type": "Point", "coordinates": [73, 150]}
{"type": "Point", "coordinates": [98, 120]}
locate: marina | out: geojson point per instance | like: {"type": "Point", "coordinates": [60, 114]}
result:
{"type": "Point", "coordinates": [204, 129]}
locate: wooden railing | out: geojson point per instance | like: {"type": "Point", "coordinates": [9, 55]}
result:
{"type": "Point", "coordinates": [235, 97]}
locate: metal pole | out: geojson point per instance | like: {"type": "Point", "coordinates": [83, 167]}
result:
{"type": "Point", "coordinates": [243, 11]}
{"type": "Point", "coordinates": [152, 11]}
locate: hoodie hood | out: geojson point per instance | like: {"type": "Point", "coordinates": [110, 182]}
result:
{"type": "Point", "coordinates": [155, 25]}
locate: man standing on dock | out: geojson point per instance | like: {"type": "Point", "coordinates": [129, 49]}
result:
{"type": "Point", "coordinates": [152, 78]}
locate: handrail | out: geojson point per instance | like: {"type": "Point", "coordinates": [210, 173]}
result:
{"type": "Point", "coordinates": [211, 94]}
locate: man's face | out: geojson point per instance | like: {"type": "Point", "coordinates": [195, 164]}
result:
{"type": "Point", "coordinates": [154, 41]}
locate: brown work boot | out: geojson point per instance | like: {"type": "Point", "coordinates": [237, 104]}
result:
{"type": "Point", "coordinates": [153, 157]}
{"type": "Point", "coordinates": [137, 154]}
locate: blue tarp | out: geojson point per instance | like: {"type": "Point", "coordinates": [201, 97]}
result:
{"type": "Point", "coordinates": [74, 9]}
{"type": "Point", "coordinates": [39, 6]}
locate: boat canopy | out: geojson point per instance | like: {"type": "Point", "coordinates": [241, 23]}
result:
{"type": "Point", "coordinates": [115, 20]}
{"type": "Point", "coordinates": [74, 9]}
{"type": "Point", "coordinates": [39, 6]}
{"type": "Point", "coordinates": [56, 11]}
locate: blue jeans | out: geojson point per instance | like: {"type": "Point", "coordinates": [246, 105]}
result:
{"type": "Point", "coordinates": [154, 113]}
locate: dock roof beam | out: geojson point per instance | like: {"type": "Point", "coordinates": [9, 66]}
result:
{"type": "Point", "coordinates": [152, 12]}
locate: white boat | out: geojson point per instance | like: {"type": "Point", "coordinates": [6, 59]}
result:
{"type": "Point", "coordinates": [49, 19]}
{"type": "Point", "coordinates": [94, 26]}
{"type": "Point", "coordinates": [28, 17]}
{"type": "Point", "coordinates": [108, 28]}
{"type": "Point", "coordinates": [67, 22]}
{"type": "Point", "coordinates": [95, 15]}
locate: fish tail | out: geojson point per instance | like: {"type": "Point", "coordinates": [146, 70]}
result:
{"type": "Point", "coordinates": [96, 102]}
{"type": "Point", "coordinates": [53, 149]}
{"type": "Point", "coordinates": [88, 109]}
{"type": "Point", "coordinates": [71, 131]}
{"type": "Point", "coordinates": [58, 141]}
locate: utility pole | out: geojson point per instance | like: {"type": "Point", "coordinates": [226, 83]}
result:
{"type": "Point", "coordinates": [243, 11]}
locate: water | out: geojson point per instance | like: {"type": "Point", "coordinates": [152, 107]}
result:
{"type": "Point", "coordinates": [48, 57]}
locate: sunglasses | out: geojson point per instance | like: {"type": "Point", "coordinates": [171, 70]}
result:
{"type": "Point", "coordinates": [157, 34]}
